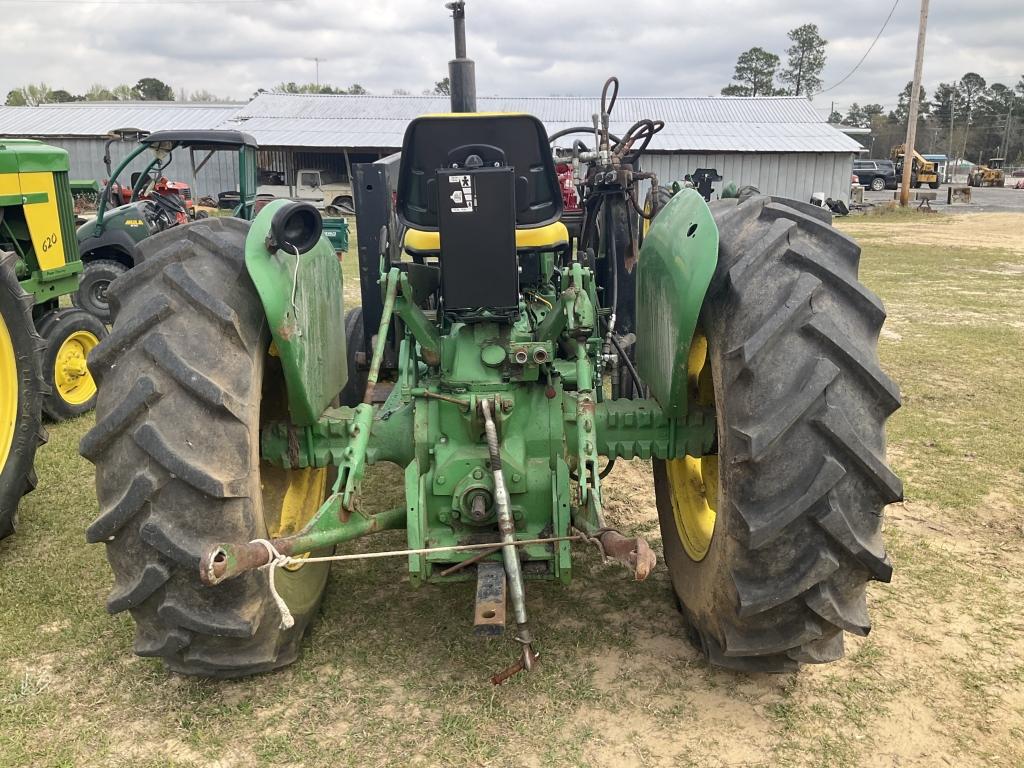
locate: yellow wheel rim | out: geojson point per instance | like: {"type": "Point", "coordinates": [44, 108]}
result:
{"type": "Point", "coordinates": [8, 393]}
{"type": "Point", "coordinates": [694, 480]}
{"type": "Point", "coordinates": [71, 377]}
{"type": "Point", "coordinates": [290, 499]}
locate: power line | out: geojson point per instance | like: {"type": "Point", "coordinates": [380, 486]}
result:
{"type": "Point", "coordinates": [141, 3]}
{"type": "Point", "coordinates": [850, 73]}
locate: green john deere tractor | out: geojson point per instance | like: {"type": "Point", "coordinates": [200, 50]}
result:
{"type": "Point", "coordinates": [43, 347]}
{"type": "Point", "coordinates": [135, 208]}
{"type": "Point", "coordinates": [488, 362]}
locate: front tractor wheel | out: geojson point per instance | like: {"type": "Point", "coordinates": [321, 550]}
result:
{"type": "Point", "coordinates": [97, 277]}
{"type": "Point", "coordinates": [185, 382]}
{"type": "Point", "coordinates": [771, 538]}
{"type": "Point", "coordinates": [70, 335]}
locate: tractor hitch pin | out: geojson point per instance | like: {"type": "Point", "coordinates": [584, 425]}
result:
{"type": "Point", "coordinates": [516, 586]}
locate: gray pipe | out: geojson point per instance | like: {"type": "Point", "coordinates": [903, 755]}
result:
{"type": "Point", "coordinates": [461, 70]}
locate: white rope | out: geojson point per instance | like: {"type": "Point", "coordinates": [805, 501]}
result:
{"type": "Point", "coordinates": [277, 560]}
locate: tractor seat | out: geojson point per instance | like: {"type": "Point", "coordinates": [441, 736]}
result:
{"type": "Point", "coordinates": [551, 237]}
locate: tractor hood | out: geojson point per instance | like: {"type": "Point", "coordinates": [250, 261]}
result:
{"type": "Point", "coordinates": [130, 218]}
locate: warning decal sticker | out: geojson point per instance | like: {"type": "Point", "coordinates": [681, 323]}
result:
{"type": "Point", "coordinates": [463, 198]}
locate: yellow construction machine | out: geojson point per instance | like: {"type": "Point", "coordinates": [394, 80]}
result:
{"type": "Point", "coordinates": [921, 172]}
{"type": "Point", "coordinates": [991, 175]}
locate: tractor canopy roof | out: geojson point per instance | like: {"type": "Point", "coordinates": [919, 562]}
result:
{"type": "Point", "coordinates": [30, 156]}
{"type": "Point", "coordinates": [199, 139]}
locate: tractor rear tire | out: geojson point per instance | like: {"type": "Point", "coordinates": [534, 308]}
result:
{"type": "Point", "coordinates": [354, 389]}
{"type": "Point", "coordinates": [185, 378]}
{"type": "Point", "coordinates": [21, 394]}
{"type": "Point", "coordinates": [70, 335]}
{"type": "Point", "coordinates": [800, 403]}
{"type": "Point", "coordinates": [344, 204]}
{"type": "Point", "coordinates": [97, 278]}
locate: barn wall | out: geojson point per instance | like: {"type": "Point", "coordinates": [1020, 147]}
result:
{"type": "Point", "coordinates": [794, 175]}
{"type": "Point", "coordinates": [86, 157]}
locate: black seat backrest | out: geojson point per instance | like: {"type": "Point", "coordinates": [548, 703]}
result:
{"type": "Point", "coordinates": [433, 142]}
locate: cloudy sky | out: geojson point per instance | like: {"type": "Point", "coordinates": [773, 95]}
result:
{"type": "Point", "coordinates": [522, 47]}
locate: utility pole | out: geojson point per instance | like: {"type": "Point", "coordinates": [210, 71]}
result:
{"type": "Point", "coordinates": [915, 93]}
{"type": "Point", "coordinates": [949, 158]}
{"type": "Point", "coordinates": [317, 60]}
{"type": "Point", "coordinates": [1006, 134]}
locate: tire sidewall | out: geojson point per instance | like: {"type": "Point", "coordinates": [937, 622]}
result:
{"type": "Point", "coordinates": [301, 589]}
{"type": "Point", "coordinates": [702, 585]}
{"type": "Point", "coordinates": [15, 474]}
{"type": "Point", "coordinates": [352, 393]}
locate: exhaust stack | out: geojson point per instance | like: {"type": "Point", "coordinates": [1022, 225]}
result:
{"type": "Point", "coordinates": [461, 70]}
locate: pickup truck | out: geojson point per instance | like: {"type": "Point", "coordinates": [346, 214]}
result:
{"type": "Point", "coordinates": [309, 186]}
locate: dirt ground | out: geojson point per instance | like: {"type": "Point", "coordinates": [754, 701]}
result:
{"type": "Point", "coordinates": [1002, 231]}
{"type": "Point", "coordinates": [391, 676]}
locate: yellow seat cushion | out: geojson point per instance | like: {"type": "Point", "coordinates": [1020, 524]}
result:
{"type": "Point", "coordinates": [554, 235]}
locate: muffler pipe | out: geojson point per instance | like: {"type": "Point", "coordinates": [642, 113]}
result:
{"type": "Point", "coordinates": [461, 70]}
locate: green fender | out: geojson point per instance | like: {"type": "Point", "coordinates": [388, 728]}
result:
{"type": "Point", "coordinates": [306, 315]}
{"type": "Point", "coordinates": [677, 262]}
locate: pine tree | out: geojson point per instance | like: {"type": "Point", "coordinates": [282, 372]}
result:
{"type": "Point", "coordinates": [806, 59]}
{"type": "Point", "coordinates": [754, 74]}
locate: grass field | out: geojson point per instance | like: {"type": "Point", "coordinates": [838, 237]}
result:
{"type": "Point", "coordinates": [392, 676]}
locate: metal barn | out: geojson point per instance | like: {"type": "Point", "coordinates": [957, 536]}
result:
{"type": "Point", "coordinates": [779, 144]}
{"type": "Point", "coordinates": [82, 129]}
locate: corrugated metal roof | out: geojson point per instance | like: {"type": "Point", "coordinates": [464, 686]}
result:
{"type": "Point", "coordinates": [100, 117]}
{"type": "Point", "coordinates": [709, 124]}
{"type": "Point", "coordinates": [693, 124]}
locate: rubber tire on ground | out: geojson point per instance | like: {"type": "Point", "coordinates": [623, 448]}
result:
{"type": "Point", "coordinates": [801, 404]}
{"type": "Point", "coordinates": [934, 184]}
{"type": "Point", "coordinates": [878, 184]}
{"type": "Point", "coordinates": [55, 329]}
{"type": "Point", "coordinates": [345, 204]}
{"type": "Point", "coordinates": [355, 387]}
{"type": "Point", "coordinates": [661, 195]}
{"type": "Point", "coordinates": [17, 476]}
{"type": "Point", "coordinates": [182, 378]}
{"type": "Point", "coordinates": [96, 279]}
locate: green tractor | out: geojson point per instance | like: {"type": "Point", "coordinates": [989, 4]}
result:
{"type": "Point", "coordinates": [485, 366]}
{"type": "Point", "coordinates": [129, 212]}
{"type": "Point", "coordinates": [37, 225]}
{"type": "Point", "coordinates": [43, 347]}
